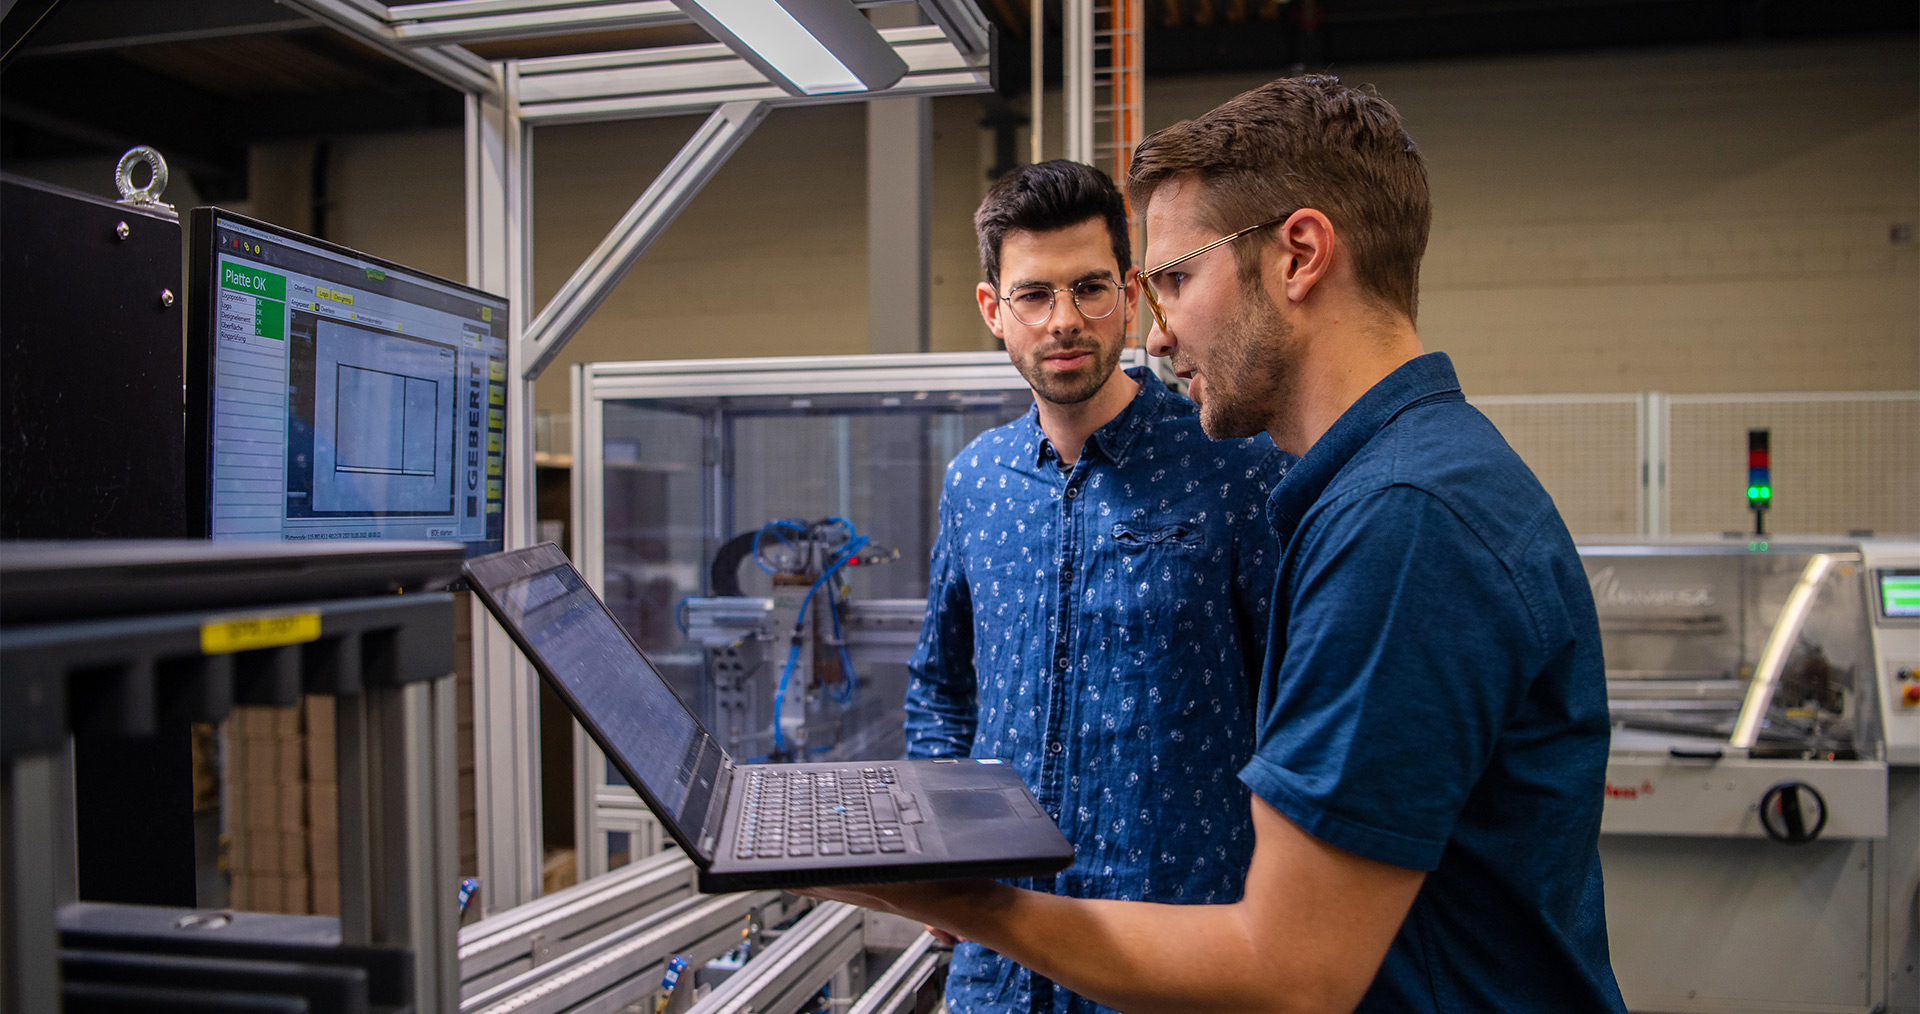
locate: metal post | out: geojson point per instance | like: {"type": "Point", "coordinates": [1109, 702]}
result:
{"type": "Point", "coordinates": [356, 820]}
{"type": "Point", "coordinates": [899, 204]}
{"type": "Point", "coordinates": [1655, 415]}
{"type": "Point", "coordinates": [1037, 37]}
{"type": "Point", "coordinates": [29, 983]}
{"type": "Point", "coordinates": [414, 855]}
{"type": "Point", "coordinates": [1076, 77]}
{"type": "Point", "coordinates": [505, 697]}
{"type": "Point", "coordinates": [443, 834]}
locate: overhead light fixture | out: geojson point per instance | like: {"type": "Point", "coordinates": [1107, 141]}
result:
{"type": "Point", "coordinates": [810, 47]}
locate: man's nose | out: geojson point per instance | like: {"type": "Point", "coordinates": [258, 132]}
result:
{"type": "Point", "coordinates": [1159, 343]}
{"type": "Point", "coordinates": [1066, 316]}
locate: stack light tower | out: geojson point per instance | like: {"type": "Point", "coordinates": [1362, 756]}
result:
{"type": "Point", "coordinates": [1759, 478]}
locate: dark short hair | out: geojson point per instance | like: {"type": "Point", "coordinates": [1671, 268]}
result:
{"type": "Point", "coordinates": [1056, 194]}
{"type": "Point", "coordinates": [1305, 142]}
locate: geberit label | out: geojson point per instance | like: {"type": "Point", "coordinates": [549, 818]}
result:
{"type": "Point", "coordinates": [227, 635]}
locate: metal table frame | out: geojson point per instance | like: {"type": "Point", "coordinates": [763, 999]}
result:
{"type": "Point", "coordinates": [388, 661]}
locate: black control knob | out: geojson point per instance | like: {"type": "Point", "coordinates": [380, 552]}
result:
{"type": "Point", "coordinates": [1793, 812]}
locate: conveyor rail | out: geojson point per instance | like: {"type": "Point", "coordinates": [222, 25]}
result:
{"type": "Point", "coordinates": [785, 975]}
{"type": "Point", "coordinates": [614, 970]}
{"type": "Point", "coordinates": [510, 944]}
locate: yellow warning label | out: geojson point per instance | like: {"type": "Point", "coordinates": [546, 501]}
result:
{"type": "Point", "coordinates": [245, 633]}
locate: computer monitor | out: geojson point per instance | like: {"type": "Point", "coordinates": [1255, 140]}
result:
{"type": "Point", "coordinates": [335, 395]}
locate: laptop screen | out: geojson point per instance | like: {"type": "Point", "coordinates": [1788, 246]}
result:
{"type": "Point", "coordinates": [613, 688]}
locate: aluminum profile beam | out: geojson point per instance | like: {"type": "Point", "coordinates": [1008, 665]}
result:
{"type": "Point", "coordinates": [626, 966]}
{"type": "Point", "coordinates": [898, 988]}
{"type": "Point", "coordinates": [656, 208]}
{"type": "Point", "coordinates": [450, 65]}
{"type": "Point", "coordinates": [866, 63]}
{"type": "Point", "coordinates": [958, 374]}
{"type": "Point", "coordinates": [506, 693]}
{"type": "Point", "coordinates": [783, 976]}
{"type": "Point", "coordinates": [458, 22]}
{"type": "Point", "coordinates": [963, 23]}
{"type": "Point", "coordinates": [687, 79]}
{"type": "Point", "coordinates": [1077, 62]}
{"type": "Point", "coordinates": [504, 946]}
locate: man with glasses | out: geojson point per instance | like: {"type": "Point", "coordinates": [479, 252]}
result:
{"type": "Point", "coordinates": [1432, 740]}
{"type": "Point", "coordinates": [1098, 599]}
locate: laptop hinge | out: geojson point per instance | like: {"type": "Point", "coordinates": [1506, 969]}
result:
{"type": "Point", "coordinates": [716, 810]}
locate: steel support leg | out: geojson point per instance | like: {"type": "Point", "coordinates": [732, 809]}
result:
{"type": "Point", "coordinates": [29, 979]}
{"type": "Point", "coordinates": [506, 699]}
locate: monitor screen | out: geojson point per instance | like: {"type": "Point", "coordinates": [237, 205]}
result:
{"type": "Point", "coordinates": [335, 395]}
{"type": "Point", "coordinates": [1900, 593]}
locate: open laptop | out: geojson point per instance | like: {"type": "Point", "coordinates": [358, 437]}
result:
{"type": "Point", "coordinates": [753, 826]}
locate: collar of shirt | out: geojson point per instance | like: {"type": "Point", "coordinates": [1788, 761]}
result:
{"type": "Point", "coordinates": [1121, 432]}
{"type": "Point", "coordinates": [1423, 378]}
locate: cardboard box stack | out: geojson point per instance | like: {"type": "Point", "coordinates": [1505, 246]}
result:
{"type": "Point", "coordinates": [283, 787]}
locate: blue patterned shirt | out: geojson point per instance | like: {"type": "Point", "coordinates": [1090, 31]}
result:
{"type": "Point", "coordinates": [1100, 627]}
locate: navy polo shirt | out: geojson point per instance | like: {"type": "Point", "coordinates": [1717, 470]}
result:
{"type": "Point", "coordinates": [1434, 698]}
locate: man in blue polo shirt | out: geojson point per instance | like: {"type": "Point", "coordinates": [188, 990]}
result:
{"type": "Point", "coordinates": [1097, 598]}
{"type": "Point", "coordinates": [1432, 738]}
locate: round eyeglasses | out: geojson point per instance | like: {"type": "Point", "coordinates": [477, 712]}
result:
{"type": "Point", "coordinates": [1032, 305]}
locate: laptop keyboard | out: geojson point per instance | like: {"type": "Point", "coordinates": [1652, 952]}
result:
{"type": "Point", "coordinates": [793, 814]}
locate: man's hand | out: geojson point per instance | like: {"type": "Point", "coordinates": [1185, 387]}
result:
{"type": "Point", "coordinates": [924, 902]}
{"type": "Point", "coordinates": [1308, 936]}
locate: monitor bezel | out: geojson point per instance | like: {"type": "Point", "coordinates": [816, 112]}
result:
{"type": "Point", "coordinates": [202, 258]}
{"type": "Point", "coordinates": [1887, 615]}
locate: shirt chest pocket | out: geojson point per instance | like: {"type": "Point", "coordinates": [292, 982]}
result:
{"type": "Point", "coordinates": [1152, 575]}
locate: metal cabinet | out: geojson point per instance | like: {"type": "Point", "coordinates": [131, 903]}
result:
{"type": "Point", "coordinates": [1759, 836]}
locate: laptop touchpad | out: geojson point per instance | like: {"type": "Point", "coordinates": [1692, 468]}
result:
{"type": "Point", "coordinates": [970, 804]}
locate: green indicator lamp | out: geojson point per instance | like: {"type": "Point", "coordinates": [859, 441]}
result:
{"type": "Point", "coordinates": [1759, 478]}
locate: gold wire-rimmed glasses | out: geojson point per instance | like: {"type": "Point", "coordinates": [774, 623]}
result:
{"type": "Point", "coordinates": [1146, 277]}
{"type": "Point", "coordinates": [1032, 305]}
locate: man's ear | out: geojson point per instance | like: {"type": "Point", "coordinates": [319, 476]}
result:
{"type": "Point", "coordinates": [990, 308]}
{"type": "Point", "coordinates": [1301, 254]}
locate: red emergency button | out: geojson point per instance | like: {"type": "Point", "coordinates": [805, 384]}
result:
{"type": "Point", "coordinates": [1910, 695]}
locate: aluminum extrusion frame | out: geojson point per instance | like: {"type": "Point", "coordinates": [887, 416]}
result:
{"type": "Point", "coordinates": [649, 216]}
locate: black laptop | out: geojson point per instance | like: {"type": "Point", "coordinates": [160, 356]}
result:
{"type": "Point", "coordinates": [752, 826]}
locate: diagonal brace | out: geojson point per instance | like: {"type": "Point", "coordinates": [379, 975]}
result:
{"type": "Point", "coordinates": [664, 199]}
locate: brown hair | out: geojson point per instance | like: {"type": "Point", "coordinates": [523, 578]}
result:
{"type": "Point", "coordinates": [1056, 194]}
{"type": "Point", "coordinates": [1305, 142]}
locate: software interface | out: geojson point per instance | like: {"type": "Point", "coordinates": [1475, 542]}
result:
{"type": "Point", "coordinates": [1900, 593]}
{"type": "Point", "coordinates": [351, 400]}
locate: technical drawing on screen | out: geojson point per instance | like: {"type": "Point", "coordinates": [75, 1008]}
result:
{"type": "Point", "coordinates": [334, 395]}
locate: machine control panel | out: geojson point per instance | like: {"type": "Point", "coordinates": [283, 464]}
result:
{"type": "Point", "coordinates": [1893, 570]}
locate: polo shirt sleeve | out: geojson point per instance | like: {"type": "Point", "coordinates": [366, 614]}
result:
{"type": "Point", "coordinates": [1407, 647]}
